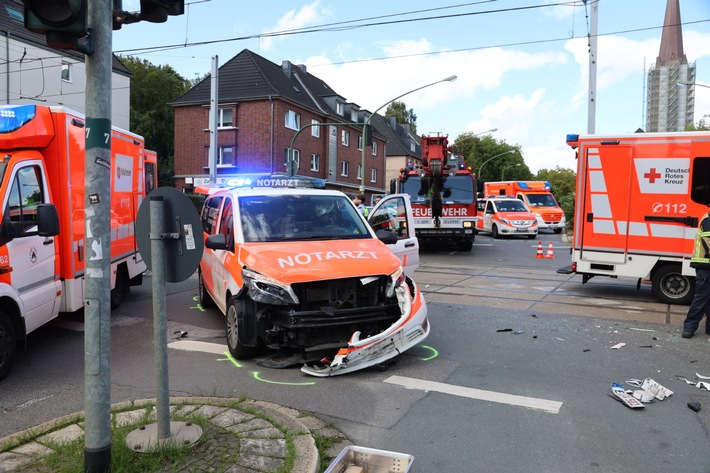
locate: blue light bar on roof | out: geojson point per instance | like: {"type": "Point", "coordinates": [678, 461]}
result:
{"type": "Point", "coordinates": [276, 181]}
{"type": "Point", "coordinates": [12, 117]}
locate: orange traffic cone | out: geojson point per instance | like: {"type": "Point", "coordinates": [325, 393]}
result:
{"type": "Point", "coordinates": [539, 250]}
{"type": "Point", "coordinates": [550, 251]}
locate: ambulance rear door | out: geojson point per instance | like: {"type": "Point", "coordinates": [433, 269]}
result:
{"type": "Point", "coordinates": [607, 200]}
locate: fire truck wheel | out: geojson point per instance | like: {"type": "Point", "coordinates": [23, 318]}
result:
{"type": "Point", "coordinates": [7, 344]}
{"type": "Point", "coordinates": [465, 245]}
{"type": "Point", "coordinates": [670, 286]}
{"type": "Point", "coordinates": [238, 307]}
{"type": "Point", "coordinates": [494, 231]}
{"type": "Point", "coordinates": [205, 298]}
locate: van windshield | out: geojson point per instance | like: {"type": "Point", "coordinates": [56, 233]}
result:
{"type": "Point", "coordinates": [276, 218]}
{"type": "Point", "coordinates": [541, 200]}
{"type": "Point", "coordinates": [512, 205]}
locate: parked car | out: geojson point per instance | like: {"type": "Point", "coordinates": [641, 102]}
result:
{"type": "Point", "coordinates": [299, 270]}
{"type": "Point", "coordinates": [505, 216]}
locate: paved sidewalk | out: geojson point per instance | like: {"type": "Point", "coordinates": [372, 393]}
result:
{"type": "Point", "coordinates": [238, 437]}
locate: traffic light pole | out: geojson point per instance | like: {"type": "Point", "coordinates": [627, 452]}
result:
{"type": "Point", "coordinates": [97, 204]}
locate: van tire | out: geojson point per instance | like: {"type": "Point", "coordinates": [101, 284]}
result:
{"type": "Point", "coordinates": [670, 286]}
{"type": "Point", "coordinates": [120, 289]}
{"type": "Point", "coordinates": [206, 300]}
{"type": "Point", "coordinates": [558, 230]}
{"type": "Point", "coordinates": [8, 344]}
{"type": "Point", "coordinates": [238, 309]}
{"type": "Point", "coordinates": [465, 245]}
{"type": "Point", "coordinates": [494, 231]}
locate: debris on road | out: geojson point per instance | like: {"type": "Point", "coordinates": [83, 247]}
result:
{"type": "Point", "coordinates": [659, 392]}
{"type": "Point", "coordinates": [625, 398]}
{"type": "Point", "coordinates": [618, 345]}
{"type": "Point", "coordinates": [694, 406]}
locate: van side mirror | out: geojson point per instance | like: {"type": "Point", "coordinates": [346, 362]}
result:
{"type": "Point", "coordinates": [47, 220]}
{"type": "Point", "coordinates": [217, 241]}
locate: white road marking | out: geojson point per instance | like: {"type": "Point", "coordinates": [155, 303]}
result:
{"type": "Point", "coordinates": [552, 407]}
{"type": "Point", "coordinates": [205, 347]}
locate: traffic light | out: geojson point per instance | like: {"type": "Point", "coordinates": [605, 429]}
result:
{"type": "Point", "coordinates": [63, 22]}
{"type": "Point", "coordinates": [157, 11]}
{"type": "Point", "coordinates": [367, 134]}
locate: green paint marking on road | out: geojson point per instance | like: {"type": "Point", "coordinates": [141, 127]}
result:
{"type": "Point", "coordinates": [198, 306]}
{"type": "Point", "coordinates": [434, 352]}
{"type": "Point", "coordinates": [258, 378]}
{"type": "Point", "coordinates": [230, 358]}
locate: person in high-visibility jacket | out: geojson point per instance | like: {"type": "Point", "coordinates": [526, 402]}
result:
{"type": "Point", "coordinates": [701, 262]}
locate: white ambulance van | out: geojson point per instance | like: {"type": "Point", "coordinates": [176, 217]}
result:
{"type": "Point", "coordinates": [298, 270]}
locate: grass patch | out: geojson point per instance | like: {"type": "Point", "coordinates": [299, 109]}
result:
{"type": "Point", "coordinates": [324, 444]}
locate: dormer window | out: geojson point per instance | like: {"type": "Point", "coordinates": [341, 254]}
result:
{"type": "Point", "coordinates": [339, 108]}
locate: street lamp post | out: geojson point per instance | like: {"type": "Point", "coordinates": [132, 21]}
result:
{"type": "Point", "coordinates": [492, 130]}
{"type": "Point", "coordinates": [502, 173]}
{"type": "Point", "coordinates": [685, 82]}
{"type": "Point", "coordinates": [480, 169]}
{"type": "Point", "coordinates": [368, 118]}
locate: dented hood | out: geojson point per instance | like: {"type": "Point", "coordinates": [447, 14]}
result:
{"type": "Point", "coordinates": [304, 261]}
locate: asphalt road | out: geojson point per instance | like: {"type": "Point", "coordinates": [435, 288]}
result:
{"type": "Point", "coordinates": [514, 377]}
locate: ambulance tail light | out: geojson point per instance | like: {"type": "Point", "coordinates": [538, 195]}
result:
{"type": "Point", "coordinates": [574, 267]}
{"type": "Point", "coordinates": [397, 279]}
{"type": "Point", "coordinates": [268, 290]}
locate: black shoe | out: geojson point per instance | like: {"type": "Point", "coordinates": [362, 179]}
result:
{"type": "Point", "coordinates": [687, 334]}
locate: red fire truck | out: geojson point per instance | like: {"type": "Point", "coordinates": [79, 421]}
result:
{"type": "Point", "coordinates": [443, 194]}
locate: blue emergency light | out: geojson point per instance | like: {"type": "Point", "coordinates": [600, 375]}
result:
{"type": "Point", "coordinates": [12, 117]}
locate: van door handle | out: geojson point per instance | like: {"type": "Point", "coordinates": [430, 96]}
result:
{"type": "Point", "coordinates": [687, 221]}
{"type": "Point", "coordinates": [409, 245]}
{"type": "Point", "coordinates": [48, 241]}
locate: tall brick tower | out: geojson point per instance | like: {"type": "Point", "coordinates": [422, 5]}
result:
{"type": "Point", "coordinates": [670, 102]}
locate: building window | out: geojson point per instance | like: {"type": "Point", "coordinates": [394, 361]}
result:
{"type": "Point", "coordinates": [339, 108]}
{"type": "Point", "coordinates": [296, 159]}
{"type": "Point", "coordinates": [315, 129]}
{"type": "Point", "coordinates": [315, 162]}
{"type": "Point", "coordinates": [412, 146]}
{"type": "Point", "coordinates": [359, 172]}
{"type": "Point", "coordinates": [373, 175]}
{"type": "Point", "coordinates": [226, 118]}
{"type": "Point", "coordinates": [353, 115]}
{"type": "Point", "coordinates": [293, 120]}
{"type": "Point", "coordinates": [66, 72]}
{"type": "Point", "coordinates": [344, 168]}
{"type": "Point", "coordinates": [345, 137]}
{"type": "Point", "coordinates": [359, 143]}
{"type": "Point", "coordinates": [226, 156]}
{"type": "Point", "coordinates": [374, 148]}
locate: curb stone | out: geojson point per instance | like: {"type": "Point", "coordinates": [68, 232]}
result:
{"type": "Point", "coordinates": [261, 442]}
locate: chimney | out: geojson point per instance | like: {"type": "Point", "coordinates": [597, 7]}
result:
{"type": "Point", "coordinates": [287, 68]}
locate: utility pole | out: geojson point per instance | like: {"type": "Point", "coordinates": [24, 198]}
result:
{"type": "Point", "coordinates": [592, 105]}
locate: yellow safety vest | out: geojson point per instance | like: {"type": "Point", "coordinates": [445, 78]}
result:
{"type": "Point", "coordinates": [701, 251]}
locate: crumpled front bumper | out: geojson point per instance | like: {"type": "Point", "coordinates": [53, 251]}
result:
{"type": "Point", "coordinates": [409, 330]}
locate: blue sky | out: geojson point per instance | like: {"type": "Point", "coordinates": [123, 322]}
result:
{"type": "Point", "coordinates": [522, 65]}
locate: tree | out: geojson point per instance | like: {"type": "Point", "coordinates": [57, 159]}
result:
{"type": "Point", "coordinates": [399, 110]}
{"type": "Point", "coordinates": [496, 155]}
{"type": "Point", "coordinates": [152, 87]}
{"type": "Point", "coordinates": [703, 125]}
{"type": "Point", "coordinates": [563, 182]}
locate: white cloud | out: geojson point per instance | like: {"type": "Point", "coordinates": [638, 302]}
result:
{"type": "Point", "coordinates": [308, 15]}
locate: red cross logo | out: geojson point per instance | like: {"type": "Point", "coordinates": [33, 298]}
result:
{"type": "Point", "coordinates": [652, 175]}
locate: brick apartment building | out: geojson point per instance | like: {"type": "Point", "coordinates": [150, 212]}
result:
{"type": "Point", "coordinates": [262, 107]}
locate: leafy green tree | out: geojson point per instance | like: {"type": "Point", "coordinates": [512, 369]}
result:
{"type": "Point", "coordinates": [152, 87]}
{"type": "Point", "coordinates": [563, 182]}
{"type": "Point", "coordinates": [403, 115]}
{"type": "Point", "coordinates": [703, 125]}
{"type": "Point", "coordinates": [489, 158]}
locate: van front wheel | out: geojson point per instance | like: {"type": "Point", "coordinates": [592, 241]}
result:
{"type": "Point", "coordinates": [670, 286]}
{"type": "Point", "coordinates": [8, 344]}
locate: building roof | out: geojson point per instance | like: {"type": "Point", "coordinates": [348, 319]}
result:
{"type": "Point", "coordinates": [249, 76]}
{"type": "Point", "coordinates": [398, 137]}
{"type": "Point", "coordinates": [672, 37]}
{"type": "Point", "coordinates": [14, 27]}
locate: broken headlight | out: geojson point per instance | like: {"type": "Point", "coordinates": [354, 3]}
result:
{"type": "Point", "coordinates": [396, 279]}
{"type": "Point", "coordinates": [268, 290]}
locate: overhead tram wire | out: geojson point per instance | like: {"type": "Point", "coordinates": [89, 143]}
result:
{"type": "Point", "coordinates": [327, 27]}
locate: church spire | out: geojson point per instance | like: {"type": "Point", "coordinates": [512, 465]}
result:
{"type": "Point", "coordinates": [672, 37]}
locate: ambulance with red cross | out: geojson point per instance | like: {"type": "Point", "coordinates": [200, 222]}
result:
{"type": "Point", "coordinates": [638, 201]}
{"type": "Point", "coordinates": [297, 269]}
